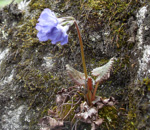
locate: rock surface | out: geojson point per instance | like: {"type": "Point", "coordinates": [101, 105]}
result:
{"type": "Point", "coordinates": [31, 72]}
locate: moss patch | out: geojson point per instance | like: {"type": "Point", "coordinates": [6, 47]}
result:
{"type": "Point", "coordinates": [138, 106]}
{"type": "Point", "coordinates": [114, 13]}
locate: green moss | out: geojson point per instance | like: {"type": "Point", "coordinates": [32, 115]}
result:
{"type": "Point", "coordinates": [146, 81]}
{"type": "Point", "coordinates": [39, 4]}
{"type": "Point", "coordinates": [102, 62]}
{"type": "Point", "coordinates": [131, 117]}
{"type": "Point", "coordinates": [109, 114]}
{"type": "Point", "coordinates": [116, 19]}
{"type": "Point", "coordinates": [136, 94]}
{"type": "Point", "coordinates": [66, 109]}
{"type": "Point", "coordinates": [28, 33]}
{"type": "Point", "coordinates": [121, 64]}
{"type": "Point", "coordinates": [44, 111]}
{"type": "Point", "coordinates": [99, 63]}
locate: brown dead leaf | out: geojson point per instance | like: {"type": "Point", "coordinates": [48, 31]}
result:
{"type": "Point", "coordinates": [98, 122]}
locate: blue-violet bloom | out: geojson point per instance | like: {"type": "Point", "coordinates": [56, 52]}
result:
{"type": "Point", "coordinates": [53, 28]}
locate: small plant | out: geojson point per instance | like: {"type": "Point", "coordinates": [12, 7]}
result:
{"type": "Point", "coordinates": [79, 102]}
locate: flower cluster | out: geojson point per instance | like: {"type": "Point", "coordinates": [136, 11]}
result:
{"type": "Point", "coordinates": [53, 28]}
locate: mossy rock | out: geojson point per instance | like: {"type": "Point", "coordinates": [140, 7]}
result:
{"type": "Point", "coordinates": [105, 34]}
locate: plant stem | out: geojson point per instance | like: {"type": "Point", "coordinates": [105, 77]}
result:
{"type": "Point", "coordinates": [93, 97]}
{"type": "Point", "coordinates": [82, 52]}
{"type": "Point", "coordinates": [88, 95]}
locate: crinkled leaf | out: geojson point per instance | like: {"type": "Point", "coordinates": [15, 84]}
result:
{"type": "Point", "coordinates": [92, 111]}
{"type": "Point", "coordinates": [84, 106]}
{"type": "Point", "coordinates": [49, 122]}
{"type": "Point", "coordinates": [93, 127]}
{"type": "Point", "coordinates": [100, 102]}
{"type": "Point", "coordinates": [97, 99]}
{"type": "Point", "coordinates": [84, 115]}
{"type": "Point", "coordinates": [54, 123]}
{"type": "Point", "coordinates": [59, 99]}
{"type": "Point", "coordinates": [103, 72]}
{"type": "Point", "coordinates": [105, 101]}
{"type": "Point", "coordinates": [111, 103]}
{"type": "Point", "coordinates": [100, 105]}
{"type": "Point", "coordinates": [45, 128]}
{"type": "Point", "coordinates": [87, 113]}
{"type": "Point", "coordinates": [76, 76]}
{"type": "Point", "coordinates": [98, 122]}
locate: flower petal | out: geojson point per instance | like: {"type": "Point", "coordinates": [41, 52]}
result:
{"type": "Point", "coordinates": [44, 29]}
{"type": "Point", "coordinates": [65, 40]}
{"type": "Point", "coordinates": [42, 36]}
{"type": "Point", "coordinates": [58, 35]}
{"type": "Point", "coordinates": [50, 28]}
{"type": "Point", "coordinates": [48, 17]}
{"type": "Point", "coordinates": [47, 21]}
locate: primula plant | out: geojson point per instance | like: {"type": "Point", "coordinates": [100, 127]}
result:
{"type": "Point", "coordinates": [79, 102]}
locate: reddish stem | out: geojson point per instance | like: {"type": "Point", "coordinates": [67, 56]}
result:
{"type": "Point", "coordinates": [93, 97]}
{"type": "Point", "coordinates": [82, 51]}
{"type": "Point", "coordinates": [89, 94]}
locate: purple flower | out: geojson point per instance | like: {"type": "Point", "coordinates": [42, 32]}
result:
{"type": "Point", "coordinates": [53, 28]}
